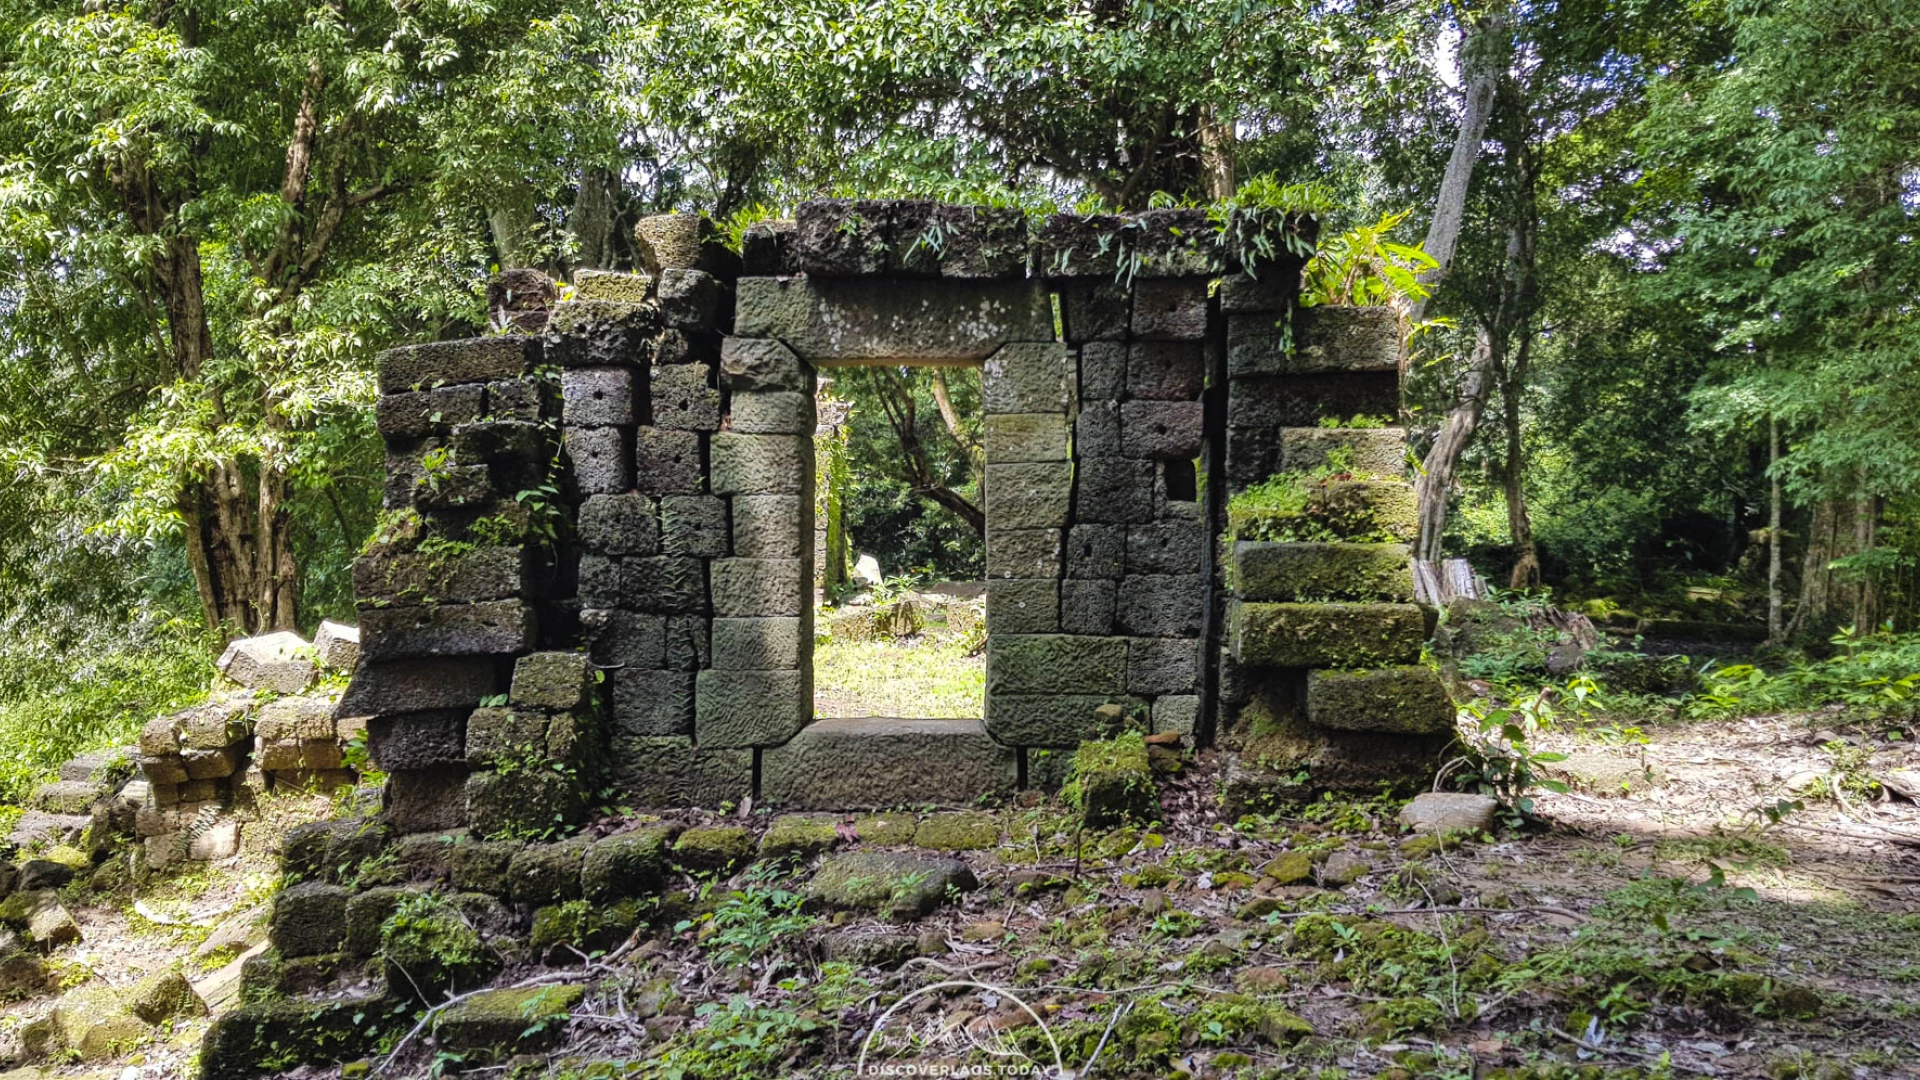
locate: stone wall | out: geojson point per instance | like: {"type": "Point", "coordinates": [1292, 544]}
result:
{"type": "Point", "coordinates": [618, 497]}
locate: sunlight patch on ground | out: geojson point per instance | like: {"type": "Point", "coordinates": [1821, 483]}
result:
{"type": "Point", "coordinates": [920, 677]}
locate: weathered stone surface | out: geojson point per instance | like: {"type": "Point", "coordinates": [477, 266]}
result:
{"type": "Point", "coordinates": [713, 848]}
{"type": "Point", "coordinates": [522, 802]}
{"type": "Point", "coordinates": [611, 285]}
{"type": "Point", "coordinates": [1055, 664]}
{"type": "Point", "coordinates": [902, 884]}
{"type": "Point", "coordinates": [548, 873]}
{"type": "Point", "coordinates": [1022, 553]}
{"type": "Point", "coordinates": [1175, 243]}
{"type": "Point", "coordinates": [596, 397]}
{"type": "Point", "coordinates": [1161, 429]}
{"type": "Point", "coordinates": [423, 800]}
{"type": "Point", "coordinates": [336, 645]}
{"type": "Point", "coordinates": [1345, 339]}
{"type": "Point", "coordinates": [600, 333]}
{"type": "Point", "coordinates": [750, 708]}
{"type": "Point", "coordinates": [1170, 310]}
{"type": "Point", "coordinates": [671, 772]}
{"type": "Point", "coordinates": [761, 464]}
{"type": "Point", "coordinates": [508, 1021]}
{"type": "Point", "coordinates": [1103, 371]}
{"type": "Point", "coordinates": [602, 460]}
{"type": "Point", "coordinates": [865, 763]}
{"type": "Point", "coordinates": [1411, 699]}
{"type": "Point", "coordinates": [1054, 719]}
{"type": "Point", "coordinates": [757, 644]}
{"type": "Point", "coordinates": [1088, 606]}
{"type": "Point", "coordinates": [527, 399]}
{"type": "Point", "coordinates": [1023, 606]}
{"type": "Point", "coordinates": [1163, 605]}
{"type": "Point", "coordinates": [1163, 665]}
{"type": "Point", "coordinates": [1014, 437]}
{"type": "Point", "coordinates": [553, 680]}
{"type": "Point", "coordinates": [667, 462]}
{"type": "Point", "coordinates": [281, 662]}
{"type": "Point", "coordinates": [1096, 551]}
{"type": "Point", "coordinates": [1166, 547]}
{"type": "Point", "coordinates": [453, 487]}
{"type": "Point", "coordinates": [1449, 811]}
{"type": "Point", "coordinates": [870, 947]}
{"type": "Point", "coordinates": [683, 398]}
{"type": "Point", "coordinates": [309, 918]}
{"type": "Point", "coordinates": [1366, 511]}
{"type": "Point", "coordinates": [1094, 311]}
{"type": "Point", "coordinates": [798, 836]}
{"type": "Point", "coordinates": [1280, 401]}
{"type": "Point", "coordinates": [294, 718]}
{"type": "Point", "coordinates": [418, 740]}
{"type": "Point", "coordinates": [1177, 713]}
{"type": "Point", "coordinates": [1326, 635]}
{"type": "Point", "coordinates": [68, 796]}
{"type": "Point", "coordinates": [663, 584]}
{"type": "Point", "coordinates": [1117, 491]}
{"type": "Point", "coordinates": [625, 865]}
{"type": "Point", "coordinates": [688, 299]}
{"type": "Point", "coordinates": [623, 524]}
{"type": "Point", "coordinates": [1112, 783]}
{"type": "Point", "coordinates": [1378, 451]}
{"type": "Point", "coordinates": [1283, 571]}
{"type": "Point", "coordinates": [1165, 370]}
{"type": "Point", "coordinates": [1033, 495]}
{"type": "Point", "coordinates": [1286, 747]}
{"type": "Point", "coordinates": [826, 321]}
{"type": "Point", "coordinates": [1243, 293]}
{"type": "Point", "coordinates": [772, 412]}
{"type": "Point", "coordinates": [1085, 246]}
{"type": "Point", "coordinates": [1096, 429]}
{"type": "Point", "coordinates": [486, 573]}
{"type": "Point", "coordinates": [745, 588]}
{"type": "Point", "coordinates": [652, 703]}
{"type": "Point", "coordinates": [493, 628]}
{"type": "Point", "coordinates": [417, 685]}
{"type": "Point", "coordinates": [679, 241]}
{"type": "Point", "coordinates": [770, 526]}
{"type": "Point", "coordinates": [419, 413]}
{"type": "Point", "coordinates": [693, 525]}
{"type": "Point", "coordinates": [415, 367]}
{"type": "Point", "coordinates": [762, 364]}
{"type": "Point", "coordinates": [1026, 377]}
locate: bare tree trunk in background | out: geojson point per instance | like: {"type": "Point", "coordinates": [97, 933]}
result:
{"type": "Point", "coordinates": [1484, 49]}
{"type": "Point", "coordinates": [1436, 478]}
{"type": "Point", "coordinates": [1526, 557]}
{"type": "Point", "coordinates": [1866, 590]}
{"type": "Point", "coordinates": [1776, 627]}
{"type": "Point", "coordinates": [594, 219]}
{"type": "Point", "coordinates": [1840, 527]}
{"type": "Point", "coordinates": [1217, 153]}
{"type": "Point", "coordinates": [512, 230]}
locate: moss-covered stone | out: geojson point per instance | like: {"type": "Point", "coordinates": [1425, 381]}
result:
{"type": "Point", "coordinates": [96, 1025]}
{"type": "Point", "coordinates": [163, 996]}
{"type": "Point", "coordinates": [308, 919]}
{"type": "Point", "coordinates": [886, 830]}
{"type": "Point", "coordinates": [1327, 635]}
{"type": "Point", "coordinates": [479, 865]}
{"type": "Point", "coordinates": [964, 831]}
{"type": "Point", "coordinates": [428, 948]}
{"type": "Point", "coordinates": [713, 848]}
{"type": "Point", "coordinates": [1411, 699]}
{"type": "Point", "coordinates": [1360, 511]}
{"type": "Point", "coordinates": [562, 933]}
{"type": "Point", "coordinates": [1112, 782]}
{"type": "Point", "coordinates": [899, 883]}
{"type": "Point", "coordinates": [524, 802]}
{"type": "Point", "coordinates": [506, 1022]}
{"type": "Point", "coordinates": [548, 873]}
{"type": "Point", "coordinates": [367, 912]}
{"type": "Point", "coordinates": [799, 836]}
{"type": "Point", "coordinates": [1290, 868]}
{"type": "Point", "coordinates": [1322, 571]}
{"type": "Point", "coordinates": [271, 1037]}
{"type": "Point", "coordinates": [628, 864]}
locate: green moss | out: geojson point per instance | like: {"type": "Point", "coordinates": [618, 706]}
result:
{"type": "Point", "coordinates": [713, 848]}
{"type": "Point", "coordinates": [427, 946]}
{"type": "Point", "coordinates": [1111, 781]}
{"type": "Point", "coordinates": [886, 830]}
{"type": "Point", "coordinates": [798, 836]}
{"type": "Point", "coordinates": [1290, 868]}
{"type": "Point", "coordinates": [966, 831]}
{"type": "Point", "coordinates": [1330, 503]}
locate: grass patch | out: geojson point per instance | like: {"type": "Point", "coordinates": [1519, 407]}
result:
{"type": "Point", "coordinates": [927, 676]}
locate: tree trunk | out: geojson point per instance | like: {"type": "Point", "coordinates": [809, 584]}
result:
{"type": "Point", "coordinates": [1484, 48]}
{"type": "Point", "coordinates": [1776, 628]}
{"type": "Point", "coordinates": [1526, 558]}
{"type": "Point", "coordinates": [1840, 527]}
{"type": "Point", "coordinates": [594, 220]}
{"type": "Point", "coordinates": [1217, 154]}
{"type": "Point", "coordinates": [1435, 481]}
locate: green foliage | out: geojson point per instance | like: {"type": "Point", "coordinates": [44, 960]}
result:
{"type": "Point", "coordinates": [755, 921]}
{"type": "Point", "coordinates": [887, 509]}
{"type": "Point", "coordinates": [740, 1040]}
{"type": "Point", "coordinates": [1873, 676]}
{"type": "Point", "coordinates": [1362, 268]}
{"type": "Point", "coordinates": [1496, 749]}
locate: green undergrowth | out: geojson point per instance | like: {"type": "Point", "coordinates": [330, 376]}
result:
{"type": "Point", "coordinates": [931, 675]}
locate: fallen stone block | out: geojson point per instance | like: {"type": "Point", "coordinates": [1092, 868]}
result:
{"type": "Point", "coordinates": [1449, 812]}
{"type": "Point", "coordinates": [900, 884]}
{"type": "Point", "coordinates": [502, 1023]}
{"type": "Point", "coordinates": [281, 662]}
{"type": "Point", "coordinates": [866, 763]}
{"type": "Point", "coordinates": [1411, 699]}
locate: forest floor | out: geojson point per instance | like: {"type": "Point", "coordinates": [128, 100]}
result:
{"type": "Point", "coordinates": [1654, 921]}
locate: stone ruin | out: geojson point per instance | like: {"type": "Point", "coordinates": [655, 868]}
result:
{"type": "Point", "coordinates": [596, 567]}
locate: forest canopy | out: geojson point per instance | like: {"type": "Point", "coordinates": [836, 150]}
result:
{"type": "Point", "coordinates": [1660, 257]}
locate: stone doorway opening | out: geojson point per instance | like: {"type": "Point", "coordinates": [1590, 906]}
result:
{"type": "Point", "coordinates": [900, 542]}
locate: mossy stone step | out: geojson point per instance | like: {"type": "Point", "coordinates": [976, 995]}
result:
{"type": "Point", "coordinates": [507, 1021]}
{"type": "Point", "coordinates": [869, 763]}
{"type": "Point", "coordinates": [1327, 635]}
{"type": "Point", "coordinates": [1409, 698]}
{"type": "Point", "coordinates": [1366, 451]}
{"type": "Point", "coordinates": [1322, 571]}
{"type": "Point", "coordinates": [1363, 511]}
